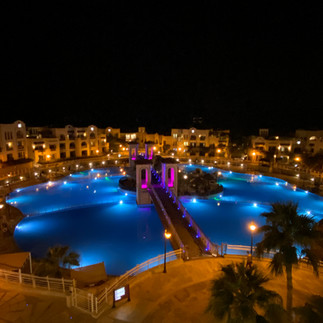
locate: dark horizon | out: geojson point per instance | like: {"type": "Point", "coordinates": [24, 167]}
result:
{"type": "Point", "coordinates": [239, 66]}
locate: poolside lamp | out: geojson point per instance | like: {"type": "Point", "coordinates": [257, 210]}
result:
{"type": "Point", "coordinates": [167, 236]}
{"type": "Point", "coordinates": [252, 228]}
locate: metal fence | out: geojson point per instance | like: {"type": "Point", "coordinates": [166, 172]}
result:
{"type": "Point", "coordinates": [44, 283]}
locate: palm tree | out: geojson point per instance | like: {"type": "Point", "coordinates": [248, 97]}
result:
{"type": "Point", "coordinates": [238, 294]}
{"type": "Point", "coordinates": [285, 231]}
{"type": "Point", "coordinates": [57, 258]}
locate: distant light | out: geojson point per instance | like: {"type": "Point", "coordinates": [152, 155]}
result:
{"type": "Point", "coordinates": [252, 227]}
{"type": "Point", "coordinates": [120, 202]}
{"type": "Point", "coordinates": [255, 204]}
{"type": "Point", "coordinates": [167, 234]}
{"type": "Point", "coordinates": [194, 200]}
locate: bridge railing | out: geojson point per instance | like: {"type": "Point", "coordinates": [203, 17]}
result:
{"type": "Point", "coordinates": [199, 234]}
{"type": "Point", "coordinates": [169, 222]}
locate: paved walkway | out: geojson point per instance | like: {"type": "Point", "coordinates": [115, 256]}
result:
{"type": "Point", "coordinates": [180, 295]}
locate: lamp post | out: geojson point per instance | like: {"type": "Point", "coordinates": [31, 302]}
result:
{"type": "Point", "coordinates": [167, 236]}
{"type": "Point", "coordinates": [252, 228]}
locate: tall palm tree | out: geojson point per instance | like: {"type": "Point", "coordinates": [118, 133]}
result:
{"type": "Point", "coordinates": [285, 232]}
{"type": "Point", "coordinates": [238, 294]}
{"type": "Point", "coordinates": [56, 258]}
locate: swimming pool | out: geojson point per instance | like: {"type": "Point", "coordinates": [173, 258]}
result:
{"type": "Point", "coordinates": [225, 218]}
{"type": "Point", "coordinates": [88, 212]}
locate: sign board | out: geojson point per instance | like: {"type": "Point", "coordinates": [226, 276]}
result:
{"type": "Point", "coordinates": [120, 294]}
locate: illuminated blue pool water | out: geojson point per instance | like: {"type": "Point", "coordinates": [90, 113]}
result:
{"type": "Point", "coordinates": [89, 213]}
{"type": "Point", "coordinates": [85, 212]}
{"type": "Point", "coordinates": [225, 218]}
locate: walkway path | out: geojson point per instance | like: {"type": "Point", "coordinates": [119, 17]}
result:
{"type": "Point", "coordinates": [182, 294]}
{"type": "Point", "coordinates": [191, 246]}
{"type": "Point", "coordinates": [23, 305]}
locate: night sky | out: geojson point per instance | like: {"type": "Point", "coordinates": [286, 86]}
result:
{"type": "Point", "coordinates": [238, 65]}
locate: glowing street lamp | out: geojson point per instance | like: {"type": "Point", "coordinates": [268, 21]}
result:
{"type": "Point", "coordinates": [252, 228]}
{"type": "Point", "coordinates": [167, 236]}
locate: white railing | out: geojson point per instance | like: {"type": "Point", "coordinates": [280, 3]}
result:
{"type": "Point", "coordinates": [44, 283]}
{"type": "Point", "coordinates": [207, 243]}
{"type": "Point", "coordinates": [96, 304]}
{"type": "Point", "coordinates": [231, 249]}
{"type": "Point", "coordinates": [209, 246]}
{"type": "Point", "coordinates": [167, 218]}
